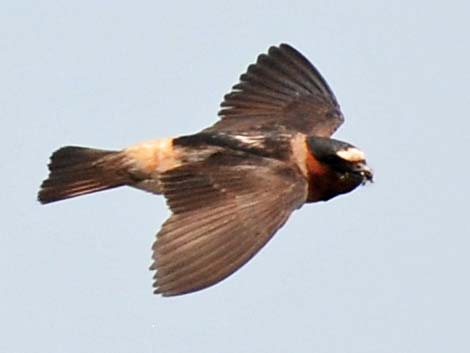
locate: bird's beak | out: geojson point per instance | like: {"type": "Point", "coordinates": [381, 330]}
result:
{"type": "Point", "coordinates": [366, 173]}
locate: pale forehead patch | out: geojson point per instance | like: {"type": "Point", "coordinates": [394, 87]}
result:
{"type": "Point", "coordinates": [352, 154]}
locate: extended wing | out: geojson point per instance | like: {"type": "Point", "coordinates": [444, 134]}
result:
{"type": "Point", "coordinates": [282, 91]}
{"type": "Point", "coordinates": [224, 210]}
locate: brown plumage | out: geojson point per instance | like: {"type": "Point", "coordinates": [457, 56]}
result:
{"type": "Point", "coordinates": [233, 185]}
{"type": "Point", "coordinates": [282, 91]}
{"type": "Point", "coordinates": [224, 210]}
{"type": "Point", "coordinates": [76, 171]}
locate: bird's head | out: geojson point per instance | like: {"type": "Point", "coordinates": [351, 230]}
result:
{"type": "Point", "coordinates": [348, 162]}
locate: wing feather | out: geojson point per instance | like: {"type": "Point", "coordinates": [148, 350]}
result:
{"type": "Point", "coordinates": [244, 203]}
{"type": "Point", "coordinates": [281, 91]}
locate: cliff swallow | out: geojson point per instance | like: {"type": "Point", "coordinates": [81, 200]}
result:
{"type": "Point", "coordinates": [231, 186]}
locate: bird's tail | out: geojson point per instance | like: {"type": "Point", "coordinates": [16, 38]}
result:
{"type": "Point", "coordinates": [75, 171]}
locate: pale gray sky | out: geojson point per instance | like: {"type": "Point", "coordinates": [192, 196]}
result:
{"type": "Point", "coordinates": [381, 270]}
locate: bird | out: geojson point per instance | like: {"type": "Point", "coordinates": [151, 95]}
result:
{"type": "Point", "coordinates": [231, 186]}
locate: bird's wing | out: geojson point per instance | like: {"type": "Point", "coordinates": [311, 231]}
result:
{"type": "Point", "coordinates": [281, 91]}
{"type": "Point", "coordinates": [224, 210]}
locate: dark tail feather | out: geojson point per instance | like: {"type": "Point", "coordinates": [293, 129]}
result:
{"type": "Point", "coordinates": [76, 171]}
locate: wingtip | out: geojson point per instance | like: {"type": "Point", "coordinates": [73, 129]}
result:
{"type": "Point", "coordinates": [40, 199]}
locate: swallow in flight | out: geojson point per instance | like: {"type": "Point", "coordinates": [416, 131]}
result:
{"type": "Point", "coordinates": [231, 186]}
